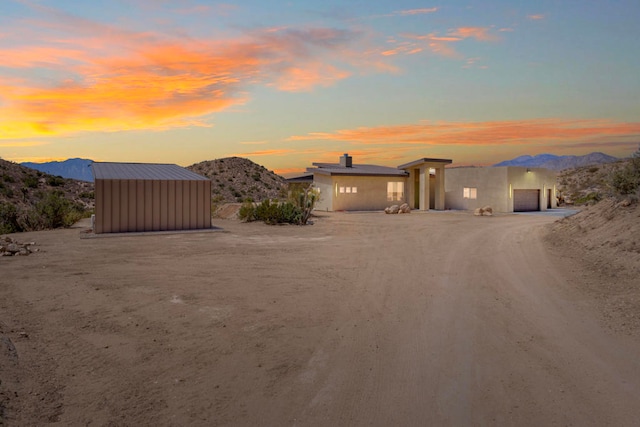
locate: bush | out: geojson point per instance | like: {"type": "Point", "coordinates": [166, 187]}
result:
{"type": "Point", "coordinates": [31, 181]}
{"type": "Point", "coordinates": [9, 219]}
{"type": "Point", "coordinates": [270, 212]}
{"type": "Point", "coordinates": [55, 181]}
{"type": "Point", "coordinates": [626, 180]}
{"type": "Point", "coordinates": [53, 211]}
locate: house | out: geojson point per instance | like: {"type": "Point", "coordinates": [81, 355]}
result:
{"type": "Point", "coordinates": [350, 186]}
{"type": "Point", "coordinates": [505, 188]}
{"type": "Point", "coordinates": [149, 197]}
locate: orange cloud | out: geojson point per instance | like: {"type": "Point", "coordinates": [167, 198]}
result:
{"type": "Point", "coordinates": [274, 152]}
{"type": "Point", "coordinates": [114, 79]}
{"type": "Point", "coordinates": [492, 133]}
{"type": "Point", "coordinates": [478, 33]}
{"type": "Point", "coordinates": [536, 17]}
{"type": "Point", "coordinates": [444, 44]}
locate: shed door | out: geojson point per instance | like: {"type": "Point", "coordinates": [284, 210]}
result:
{"type": "Point", "coordinates": [526, 200]}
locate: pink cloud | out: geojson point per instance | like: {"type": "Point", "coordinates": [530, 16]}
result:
{"type": "Point", "coordinates": [537, 17]}
{"type": "Point", "coordinates": [113, 79]}
{"type": "Point", "coordinates": [490, 133]}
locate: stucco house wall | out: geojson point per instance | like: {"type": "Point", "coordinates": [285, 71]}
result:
{"type": "Point", "coordinates": [495, 186]}
{"type": "Point", "coordinates": [371, 192]}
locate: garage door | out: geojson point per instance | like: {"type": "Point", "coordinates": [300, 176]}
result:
{"type": "Point", "coordinates": [526, 200]}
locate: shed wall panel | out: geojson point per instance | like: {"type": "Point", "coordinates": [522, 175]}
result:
{"type": "Point", "coordinates": [193, 205]}
{"type": "Point", "coordinates": [156, 206]}
{"type": "Point", "coordinates": [124, 205]}
{"type": "Point", "coordinates": [185, 205]}
{"type": "Point", "coordinates": [164, 205]}
{"type": "Point", "coordinates": [148, 206]}
{"type": "Point", "coordinates": [139, 205]}
{"type": "Point", "coordinates": [179, 205]}
{"type": "Point", "coordinates": [133, 203]}
{"type": "Point", "coordinates": [171, 201]}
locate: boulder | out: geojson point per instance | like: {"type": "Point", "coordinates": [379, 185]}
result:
{"type": "Point", "coordinates": [478, 212]}
{"type": "Point", "coordinates": [394, 209]}
{"type": "Point", "coordinates": [487, 209]}
{"type": "Point", "coordinates": [404, 208]}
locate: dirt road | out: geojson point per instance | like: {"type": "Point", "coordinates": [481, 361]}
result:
{"type": "Point", "coordinates": [360, 319]}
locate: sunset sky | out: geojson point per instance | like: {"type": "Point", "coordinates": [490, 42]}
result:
{"type": "Point", "coordinates": [288, 83]}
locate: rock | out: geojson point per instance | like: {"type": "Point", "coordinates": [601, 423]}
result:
{"type": "Point", "coordinates": [404, 208]}
{"type": "Point", "coordinates": [23, 252]}
{"type": "Point", "coordinates": [13, 248]}
{"type": "Point", "coordinates": [488, 209]}
{"type": "Point", "coordinates": [486, 213]}
{"type": "Point", "coordinates": [393, 209]}
{"type": "Point", "coordinates": [478, 212]}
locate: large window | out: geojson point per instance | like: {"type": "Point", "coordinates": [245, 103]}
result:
{"type": "Point", "coordinates": [470, 193]}
{"type": "Point", "coordinates": [395, 191]}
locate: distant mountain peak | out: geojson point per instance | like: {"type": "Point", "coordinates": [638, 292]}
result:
{"type": "Point", "coordinates": [75, 168]}
{"type": "Point", "coordinates": [555, 162]}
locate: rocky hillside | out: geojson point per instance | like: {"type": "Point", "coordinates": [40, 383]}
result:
{"type": "Point", "coordinates": [588, 184]}
{"type": "Point", "coordinates": [22, 186]}
{"type": "Point", "coordinates": [33, 200]}
{"type": "Point", "coordinates": [234, 179]}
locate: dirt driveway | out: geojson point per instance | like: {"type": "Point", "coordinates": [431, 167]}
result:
{"type": "Point", "coordinates": [360, 319]}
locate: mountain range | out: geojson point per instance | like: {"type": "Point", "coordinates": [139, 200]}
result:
{"type": "Point", "coordinates": [71, 168]}
{"type": "Point", "coordinates": [79, 168]}
{"type": "Point", "coordinates": [553, 162]}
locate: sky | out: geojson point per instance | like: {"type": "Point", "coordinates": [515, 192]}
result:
{"type": "Point", "coordinates": [289, 83]}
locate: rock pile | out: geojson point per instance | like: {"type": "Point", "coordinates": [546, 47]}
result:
{"type": "Point", "coordinates": [11, 247]}
{"type": "Point", "coordinates": [486, 211]}
{"type": "Point", "coordinates": [395, 209]}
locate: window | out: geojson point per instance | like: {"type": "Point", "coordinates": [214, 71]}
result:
{"type": "Point", "coordinates": [395, 191]}
{"type": "Point", "coordinates": [347, 190]}
{"type": "Point", "coordinates": [470, 193]}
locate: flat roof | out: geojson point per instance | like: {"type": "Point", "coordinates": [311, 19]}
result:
{"type": "Point", "coordinates": [425, 160]}
{"type": "Point", "coordinates": [356, 169]}
{"type": "Point", "coordinates": [143, 171]}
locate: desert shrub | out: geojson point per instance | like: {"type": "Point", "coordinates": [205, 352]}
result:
{"type": "Point", "coordinates": [8, 191]}
{"type": "Point", "coordinates": [31, 181]}
{"type": "Point", "coordinates": [626, 180]}
{"type": "Point", "coordinates": [9, 219]}
{"type": "Point", "coordinates": [305, 198]}
{"type": "Point", "coordinates": [52, 211]}
{"type": "Point", "coordinates": [247, 211]}
{"type": "Point", "coordinates": [588, 199]}
{"type": "Point", "coordinates": [55, 181]}
{"type": "Point", "coordinates": [270, 212]}
{"type": "Point", "coordinates": [87, 195]}
{"type": "Point", "coordinates": [8, 178]}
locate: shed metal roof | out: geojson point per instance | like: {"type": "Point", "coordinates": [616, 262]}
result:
{"type": "Point", "coordinates": [356, 169]}
{"type": "Point", "coordinates": [143, 171]}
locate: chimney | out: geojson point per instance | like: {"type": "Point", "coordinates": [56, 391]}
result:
{"type": "Point", "coordinates": [345, 161]}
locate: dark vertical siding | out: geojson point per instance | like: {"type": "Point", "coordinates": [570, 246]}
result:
{"type": "Point", "coordinates": [146, 205]}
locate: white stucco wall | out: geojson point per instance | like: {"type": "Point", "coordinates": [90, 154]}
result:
{"type": "Point", "coordinates": [495, 186]}
{"type": "Point", "coordinates": [371, 192]}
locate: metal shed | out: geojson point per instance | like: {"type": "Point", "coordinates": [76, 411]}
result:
{"type": "Point", "coordinates": [149, 197]}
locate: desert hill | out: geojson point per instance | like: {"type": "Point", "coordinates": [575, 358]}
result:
{"type": "Point", "coordinates": [234, 179]}
{"type": "Point", "coordinates": [24, 191]}
{"type": "Point", "coordinates": [604, 237]}
{"type": "Point", "coordinates": [588, 184]}
{"type": "Point", "coordinates": [558, 163]}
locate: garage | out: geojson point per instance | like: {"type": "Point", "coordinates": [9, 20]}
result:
{"type": "Point", "coordinates": [149, 197]}
{"type": "Point", "coordinates": [526, 200]}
